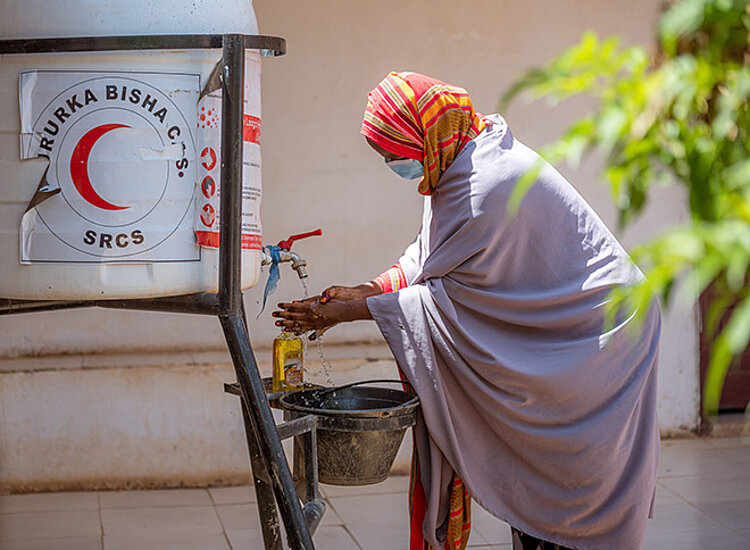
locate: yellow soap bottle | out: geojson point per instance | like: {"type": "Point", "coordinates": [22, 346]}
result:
{"type": "Point", "coordinates": [288, 359]}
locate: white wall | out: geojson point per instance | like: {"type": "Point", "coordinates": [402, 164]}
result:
{"type": "Point", "coordinates": [318, 171]}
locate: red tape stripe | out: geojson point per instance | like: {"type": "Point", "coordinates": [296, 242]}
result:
{"type": "Point", "coordinates": [251, 129]}
{"type": "Point", "coordinates": [211, 239]}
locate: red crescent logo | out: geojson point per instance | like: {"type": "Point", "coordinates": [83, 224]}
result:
{"type": "Point", "coordinates": [79, 166]}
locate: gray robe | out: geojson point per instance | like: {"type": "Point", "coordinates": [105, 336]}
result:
{"type": "Point", "coordinates": [547, 417]}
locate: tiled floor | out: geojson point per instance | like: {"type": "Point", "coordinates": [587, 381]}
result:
{"type": "Point", "coordinates": [703, 502]}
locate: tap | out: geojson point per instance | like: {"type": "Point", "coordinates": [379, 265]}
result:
{"type": "Point", "coordinates": [286, 255]}
{"type": "Point", "coordinates": [298, 263]}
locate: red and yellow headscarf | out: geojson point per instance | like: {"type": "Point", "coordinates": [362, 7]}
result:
{"type": "Point", "coordinates": [421, 118]}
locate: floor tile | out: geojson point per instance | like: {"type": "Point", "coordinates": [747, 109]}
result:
{"type": "Point", "coordinates": [739, 454]}
{"type": "Point", "coordinates": [685, 445]}
{"type": "Point", "coordinates": [241, 494]}
{"type": "Point", "coordinates": [334, 537]}
{"type": "Point", "coordinates": [666, 496]}
{"type": "Point", "coordinates": [704, 488]}
{"type": "Point", "coordinates": [154, 499]}
{"type": "Point", "coordinates": [680, 517]}
{"type": "Point", "coordinates": [728, 442]}
{"type": "Point", "coordinates": [488, 527]}
{"type": "Point", "coordinates": [331, 517]}
{"type": "Point", "coordinates": [67, 543]}
{"type": "Point", "coordinates": [733, 514]}
{"type": "Point", "coordinates": [717, 463]}
{"type": "Point", "coordinates": [392, 484]}
{"type": "Point", "coordinates": [46, 502]}
{"type": "Point", "coordinates": [476, 540]}
{"type": "Point", "coordinates": [239, 516]}
{"type": "Point", "coordinates": [701, 539]}
{"type": "Point", "coordinates": [56, 524]}
{"type": "Point", "coordinates": [175, 541]}
{"type": "Point", "coordinates": [377, 522]}
{"type": "Point", "coordinates": [144, 521]}
{"type": "Point", "coordinates": [245, 539]}
{"type": "Point", "coordinates": [380, 537]}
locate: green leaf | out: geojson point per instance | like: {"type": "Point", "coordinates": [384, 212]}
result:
{"type": "Point", "coordinates": [730, 342]}
{"type": "Point", "coordinates": [680, 19]}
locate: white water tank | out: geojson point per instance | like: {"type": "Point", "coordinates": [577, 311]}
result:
{"type": "Point", "coordinates": [109, 161]}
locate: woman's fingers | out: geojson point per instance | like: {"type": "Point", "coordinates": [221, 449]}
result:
{"type": "Point", "coordinates": [296, 325]}
{"type": "Point", "coordinates": [298, 316]}
{"type": "Point", "coordinates": [294, 315]}
{"type": "Point", "coordinates": [298, 306]}
{"type": "Point", "coordinates": [338, 292]}
{"type": "Point", "coordinates": [329, 294]}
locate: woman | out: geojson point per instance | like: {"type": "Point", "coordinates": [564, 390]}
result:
{"type": "Point", "coordinates": [530, 402]}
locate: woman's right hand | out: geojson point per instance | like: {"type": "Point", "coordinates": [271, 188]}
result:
{"type": "Point", "coordinates": [345, 294]}
{"type": "Point", "coordinates": [348, 293]}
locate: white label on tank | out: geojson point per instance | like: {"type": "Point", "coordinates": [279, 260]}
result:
{"type": "Point", "coordinates": [208, 215]}
{"type": "Point", "coordinates": [122, 166]}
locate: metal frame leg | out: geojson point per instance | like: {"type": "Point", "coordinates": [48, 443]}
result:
{"type": "Point", "coordinates": [230, 297]}
{"type": "Point", "coordinates": [269, 519]}
{"type": "Point", "coordinates": [269, 443]}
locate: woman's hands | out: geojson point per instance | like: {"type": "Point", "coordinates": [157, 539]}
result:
{"type": "Point", "coordinates": [336, 304]}
{"type": "Point", "coordinates": [348, 293]}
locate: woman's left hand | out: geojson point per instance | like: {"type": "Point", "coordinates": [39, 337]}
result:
{"type": "Point", "coordinates": [311, 314]}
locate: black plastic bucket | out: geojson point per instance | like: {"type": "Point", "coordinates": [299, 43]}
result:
{"type": "Point", "coordinates": [360, 428]}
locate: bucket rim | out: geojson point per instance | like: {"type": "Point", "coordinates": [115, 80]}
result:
{"type": "Point", "coordinates": [407, 407]}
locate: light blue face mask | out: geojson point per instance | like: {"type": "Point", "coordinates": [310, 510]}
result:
{"type": "Point", "coordinates": [409, 169]}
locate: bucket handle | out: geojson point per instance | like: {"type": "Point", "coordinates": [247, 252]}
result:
{"type": "Point", "coordinates": [415, 399]}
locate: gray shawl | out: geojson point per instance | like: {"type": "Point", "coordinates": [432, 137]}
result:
{"type": "Point", "coordinates": [548, 417]}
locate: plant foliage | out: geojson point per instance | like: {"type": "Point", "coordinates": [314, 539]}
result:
{"type": "Point", "coordinates": [679, 117]}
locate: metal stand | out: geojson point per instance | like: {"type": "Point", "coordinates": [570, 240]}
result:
{"type": "Point", "coordinates": [271, 472]}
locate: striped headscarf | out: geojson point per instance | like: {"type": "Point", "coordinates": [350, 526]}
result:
{"type": "Point", "coordinates": [418, 117]}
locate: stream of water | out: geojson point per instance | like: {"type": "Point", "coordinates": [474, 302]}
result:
{"type": "Point", "coordinates": [324, 363]}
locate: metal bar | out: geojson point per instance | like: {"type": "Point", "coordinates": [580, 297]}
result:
{"type": "Point", "coordinates": [231, 308]}
{"type": "Point", "coordinates": [202, 304]}
{"type": "Point", "coordinates": [9, 306]}
{"type": "Point", "coordinates": [263, 423]}
{"type": "Point", "coordinates": [296, 427]}
{"type": "Point", "coordinates": [230, 231]}
{"type": "Point", "coordinates": [310, 445]}
{"type": "Point", "coordinates": [268, 45]}
{"type": "Point", "coordinates": [269, 518]}
{"type": "Point", "coordinates": [314, 510]}
{"type": "Point", "coordinates": [306, 470]}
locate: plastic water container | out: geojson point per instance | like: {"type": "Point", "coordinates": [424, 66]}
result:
{"type": "Point", "coordinates": [110, 161]}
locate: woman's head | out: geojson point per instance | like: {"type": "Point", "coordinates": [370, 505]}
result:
{"type": "Point", "coordinates": [409, 115]}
